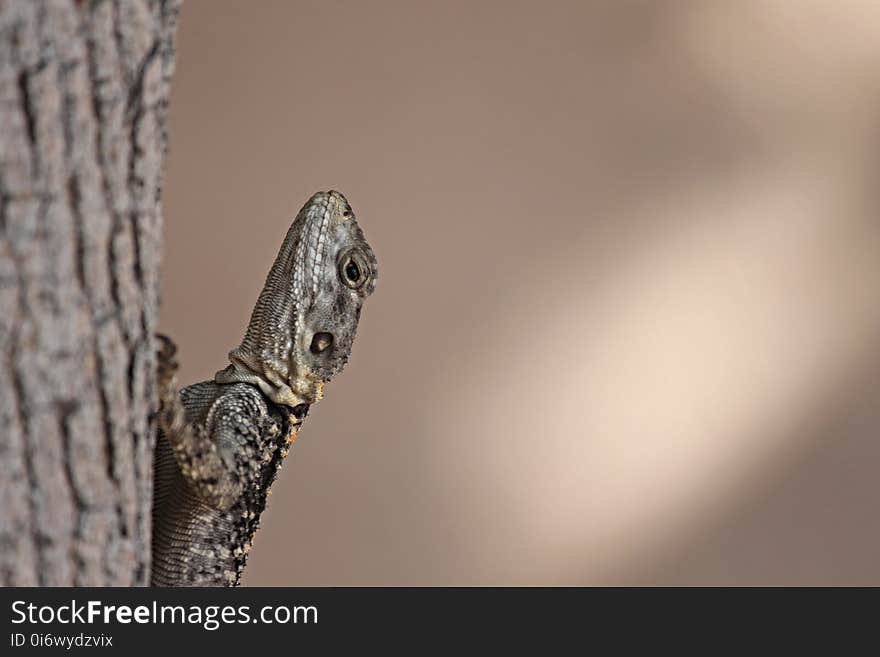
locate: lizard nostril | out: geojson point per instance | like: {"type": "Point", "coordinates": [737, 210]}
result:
{"type": "Point", "coordinates": [300, 411]}
{"type": "Point", "coordinates": [321, 342]}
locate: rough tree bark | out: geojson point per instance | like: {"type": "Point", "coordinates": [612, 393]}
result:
{"type": "Point", "coordinates": [83, 100]}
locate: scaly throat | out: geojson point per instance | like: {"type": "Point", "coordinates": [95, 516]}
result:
{"type": "Point", "coordinates": [291, 390]}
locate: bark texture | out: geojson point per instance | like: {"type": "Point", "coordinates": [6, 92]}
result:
{"type": "Point", "coordinates": [83, 100]}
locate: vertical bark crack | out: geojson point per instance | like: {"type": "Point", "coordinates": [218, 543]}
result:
{"type": "Point", "coordinates": [28, 458]}
{"type": "Point", "coordinates": [64, 410]}
{"type": "Point", "coordinates": [30, 125]}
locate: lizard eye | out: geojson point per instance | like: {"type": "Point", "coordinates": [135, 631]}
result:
{"type": "Point", "coordinates": [352, 272]}
{"type": "Point", "coordinates": [353, 269]}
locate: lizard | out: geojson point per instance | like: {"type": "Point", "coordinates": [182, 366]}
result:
{"type": "Point", "coordinates": [221, 442]}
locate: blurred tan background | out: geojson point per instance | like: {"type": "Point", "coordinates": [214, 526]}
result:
{"type": "Point", "coordinates": [627, 328]}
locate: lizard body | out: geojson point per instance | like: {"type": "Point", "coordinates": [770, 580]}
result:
{"type": "Point", "coordinates": [222, 442]}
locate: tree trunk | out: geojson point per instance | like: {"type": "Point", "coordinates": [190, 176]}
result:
{"type": "Point", "coordinates": [83, 100]}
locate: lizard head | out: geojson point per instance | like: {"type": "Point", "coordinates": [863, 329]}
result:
{"type": "Point", "coordinates": [303, 326]}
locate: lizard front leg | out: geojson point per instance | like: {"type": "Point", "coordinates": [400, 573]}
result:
{"type": "Point", "coordinates": [197, 455]}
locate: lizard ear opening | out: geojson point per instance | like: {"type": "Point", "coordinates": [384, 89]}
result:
{"type": "Point", "coordinates": [321, 342]}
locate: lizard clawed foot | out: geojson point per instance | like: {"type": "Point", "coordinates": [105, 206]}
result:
{"type": "Point", "coordinates": [166, 365]}
{"type": "Point", "coordinates": [171, 414]}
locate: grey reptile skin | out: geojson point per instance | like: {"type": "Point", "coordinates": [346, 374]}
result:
{"type": "Point", "coordinates": [222, 442]}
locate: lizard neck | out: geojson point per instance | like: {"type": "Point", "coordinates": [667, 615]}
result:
{"type": "Point", "coordinates": [280, 388]}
